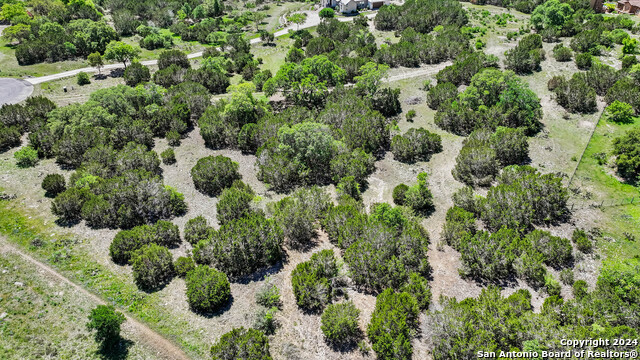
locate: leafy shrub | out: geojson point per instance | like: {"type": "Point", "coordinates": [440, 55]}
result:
{"type": "Point", "coordinates": [348, 186]}
{"type": "Point", "coordinates": [173, 138]}
{"type": "Point", "coordinates": [336, 219]}
{"type": "Point", "coordinates": [242, 344]}
{"type": "Point", "coordinates": [297, 214]}
{"type": "Point", "coordinates": [196, 229]}
{"type": "Point", "coordinates": [458, 223]}
{"type": "Point", "coordinates": [26, 157]}
{"type": "Point", "coordinates": [136, 73]}
{"type": "Point", "coordinates": [562, 53]}
{"type": "Point", "coordinates": [242, 246]}
{"type": "Point", "coordinates": [168, 157]}
{"type": "Point", "coordinates": [126, 242]}
{"type": "Point", "coordinates": [627, 150]}
{"type": "Point", "coordinates": [526, 56]}
{"type": "Point", "coordinates": [580, 289]}
{"type": "Point", "coordinates": [415, 145]}
{"type": "Point", "coordinates": [418, 197]}
{"type": "Point", "coordinates": [9, 136]}
{"type": "Point", "coordinates": [68, 204]}
{"type": "Point", "coordinates": [106, 321]}
{"type": "Point", "coordinates": [53, 184]}
{"type": "Point", "coordinates": [566, 276]}
{"type": "Point", "coordinates": [312, 280]}
{"type": "Point", "coordinates": [152, 267]}
{"type": "Point", "coordinates": [173, 57]}
{"type": "Point", "coordinates": [391, 325]}
{"type": "Point", "coordinates": [265, 320]}
{"type": "Point", "coordinates": [576, 95]}
{"type": "Point", "coordinates": [584, 61]}
{"type": "Point", "coordinates": [183, 265]}
{"type": "Point", "coordinates": [207, 289]}
{"type": "Point", "coordinates": [83, 78]}
{"type": "Point", "coordinates": [556, 250]}
{"type": "Point", "coordinates": [488, 256]}
{"type": "Point", "coordinates": [440, 93]}
{"type": "Point", "coordinates": [418, 287]}
{"type": "Point", "coordinates": [523, 197]}
{"type": "Point", "coordinates": [477, 162]}
{"type": "Point", "coordinates": [381, 256]}
{"type": "Point", "coordinates": [552, 286]}
{"type": "Point", "coordinates": [582, 241]}
{"type": "Point", "coordinates": [628, 62]}
{"type": "Point", "coordinates": [212, 174]}
{"type": "Point", "coordinates": [268, 296]}
{"type": "Point", "coordinates": [234, 203]}
{"type": "Point", "coordinates": [340, 323]}
{"type": "Point", "coordinates": [620, 112]}
{"type": "Point", "coordinates": [399, 194]}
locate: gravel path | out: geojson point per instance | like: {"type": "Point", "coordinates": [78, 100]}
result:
{"type": "Point", "coordinates": [14, 90]}
{"type": "Point", "coordinates": [163, 347]}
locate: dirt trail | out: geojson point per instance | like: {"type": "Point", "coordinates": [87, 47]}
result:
{"type": "Point", "coordinates": [163, 348]}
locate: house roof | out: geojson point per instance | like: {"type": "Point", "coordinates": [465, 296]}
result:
{"type": "Point", "coordinates": [632, 2]}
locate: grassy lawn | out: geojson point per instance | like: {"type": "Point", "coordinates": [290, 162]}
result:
{"type": "Point", "coordinates": [11, 68]}
{"type": "Point", "coordinates": [599, 182]}
{"type": "Point", "coordinates": [43, 318]}
{"type": "Point", "coordinates": [71, 257]}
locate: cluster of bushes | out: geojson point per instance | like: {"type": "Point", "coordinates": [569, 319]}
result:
{"type": "Point", "coordinates": [174, 69]}
{"type": "Point", "coordinates": [423, 16]}
{"type": "Point", "coordinates": [417, 197]}
{"type": "Point", "coordinates": [415, 145]}
{"type": "Point", "coordinates": [381, 249]}
{"type": "Point", "coordinates": [526, 56]}
{"type": "Point", "coordinates": [493, 99]}
{"type": "Point", "coordinates": [298, 147]}
{"type": "Point", "coordinates": [127, 242]}
{"type": "Point", "coordinates": [241, 343]}
{"type": "Point", "coordinates": [578, 94]}
{"type": "Point", "coordinates": [340, 323]}
{"type": "Point", "coordinates": [298, 214]}
{"type": "Point", "coordinates": [523, 197]}
{"type": "Point", "coordinates": [314, 282]}
{"type": "Point", "coordinates": [242, 246]}
{"type": "Point", "coordinates": [465, 67]}
{"type": "Point", "coordinates": [484, 153]}
{"type": "Point", "coordinates": [52, 41]}
{"type": "Point", "coordinates": [117, 180]}
{"type": "Point", "coordinates": [494, 322]}
{"type": "Point", "coordinates": [16, 119]}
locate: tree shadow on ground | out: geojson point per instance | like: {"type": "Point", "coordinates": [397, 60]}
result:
{"type": "Point", "coordinates": [117, 351]}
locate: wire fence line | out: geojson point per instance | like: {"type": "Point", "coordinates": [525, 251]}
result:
{"type": "Point", "coordinates": [605, 203]}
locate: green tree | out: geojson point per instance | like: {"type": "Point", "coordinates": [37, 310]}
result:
{"type": "Point", "coordinates": [391, 325]}
{"type": "Point", "coordinates": [106, 321]}
{"type": "Point", "coordinates": [95, 60]}
{"type": "Point", "coordinates": [372, 76]}
{"type": "Point", "coordinates": [629, 46]}
{"type": "Point", "coordinates": [327, 13]}
{"type": "Point", "coordinates": [340, 323]}
{"type": "Point", "coordinates": [121, 52]}
{"type": "Point", "coordinates": [207, 289]}
{"type": "Point", "coordinates": [551, 14]}
{"type": "Point", "coordinates": [212, 174]}
{"type": "Point", "coordinates": [152, 267]}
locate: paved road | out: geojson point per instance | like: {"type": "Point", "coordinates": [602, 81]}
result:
{"type": "Point", "coordinates": [14, 90]}
{"type": "Point", "coordinates": [312, 20]}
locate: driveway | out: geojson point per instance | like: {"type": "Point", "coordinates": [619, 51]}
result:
{"type": "Point", "coordinates": [14, 90]}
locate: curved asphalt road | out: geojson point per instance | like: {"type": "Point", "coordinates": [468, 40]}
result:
{"type": "Point", "coordinates": [14, 90]}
